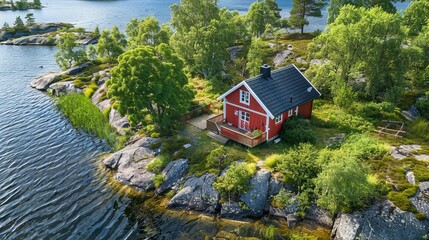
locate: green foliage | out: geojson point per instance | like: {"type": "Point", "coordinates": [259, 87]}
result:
{"type": "Point", "coordinates": [111, 44]}
{"type": "Point", "coordinates": [343, 95]}
{"type": "Point", "coordinates": [358, 32]}
{"type": "Point", "coordinates": [343, 185]}
{"type": "Point", "coordinates": [18, 25]}
{"type": "Point", "coordinates": [30, 20]}
{"type": "Point", "coordinates": [255, 56]}
{"type": "Point", "coordinates": [157, 164]}
{"type": "Point", "coordinates": [68, 52]}
{"type": "Point", "coordinates": [159, 179]}
{"type": "Point", "coordinates": [262, 14]}
{"type": "Point", "coordinates": [272, 160]}
{"type": "Point", "coordinates": [89, 91]}
{"type": "Point", "coordinates": [416, 16]}
{"type": "Point", "coordinates": [401, 201]}
{"type": "Point", "coordinates": [420, 216]}
{"type": "Point", "coordinates": [236, 180]}
{"type": "Point", "coordinates": [85, 115]}
{"type": "Point", "coordinates": [299, 167]}
{"type": "Point", "coordinates": [420, 129]}
{"type": "Point", "coordinates": [297, 130]}
{"type": "Point", "coordinates": [217, 158]}
{"type": "Point", "coordinates": [270, 233]}
{"type": "Point", "coordinates": [147, 32]}
{"type": "Point", "coordinates": [423, 106]}
{"type": "Point", "coordinates": [151, 81]}
{"type": "Point", "coordinates": [336, 5]}
{"type": "Point", "coordinates": [301, 9]}
{"type": "Point", "coordinates": [362, 146]}
{"type": "Point", "coordinates": [282, 199]}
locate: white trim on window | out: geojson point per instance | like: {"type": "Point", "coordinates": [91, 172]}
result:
{"type": "Point", "coordinates": [244, 97]}
{"type": "Point", "coordinates": [290, 112]}
{"type": "Point", "coordinates": [296, 110]}
{"type": "Point", "coordinates": [244, 108]}
{"type": "Point", "coordinates": [279, 119]}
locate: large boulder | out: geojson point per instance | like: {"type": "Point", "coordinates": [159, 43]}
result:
{"type": "Point", "coordinates": [103, 105]}
{"type": "Point", "coordinates": [43, 82]}
{"type": "Point", "coordinates": [130, 164]}
{"type": "Point", "coordinates": [98, 93]}
{"type": "Point", "coordinates": [291, 208]}
{"type": "Point", "coordinates": [117, 121]}
{"type": "Point", "coordinates": [61, 88]}
{"type": "Point", "coordinates": [421, 199]}
{"type": "Point", "coordinates": [233, 210]}
{"type": "Point", "coordinates": [256, 198]}
{"type": "Point", "coordinates": [319, 216]}
{"type": "Point", "coordinates": [197, 194]}
{"type": "Point", "coordinates": [380, 221]}
{"type": "Point", "coordinates": [280, 58]}
{"type": "Point", "coordinates": [172, 173]}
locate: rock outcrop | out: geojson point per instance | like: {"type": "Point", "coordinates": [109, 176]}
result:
{"type": "Point", "coordinates": [421, 199]}
{"type": "Point", "coordinates": [172, 173]}
{"type": "Point", "coordinates": [256, 198]}
{"type": "Point", "coordinates": [43, 82]}
{"type": "Point", "coordinates": [197, 194]}
{"type": "Point", "coordinates": [280, 58]}
{"type": "Point", "coordinates": [61, 88]}
{"type": "Point", "coordinates": [130, 164]}
{"type": "Point", "coordinates": [404, 151]}
{"type": "Point", "coordinates": [117, 121]}
{"type": "Point", "coordinates": [319, 216]}
{"type": "Point", "coordinates": [98, 93]}
{"type": "Point", "coordinates": [291, 208]}
{"type": "Point", "coordinates": [38, 28]}
{"type": "Point", "coordinates": [380, 221]}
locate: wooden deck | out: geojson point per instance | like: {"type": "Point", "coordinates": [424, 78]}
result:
{"type": "Point", "coordinates": [217, 126]}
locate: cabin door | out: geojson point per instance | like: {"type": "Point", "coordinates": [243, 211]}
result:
{"type": "Point", "coordinates": [244, 121]}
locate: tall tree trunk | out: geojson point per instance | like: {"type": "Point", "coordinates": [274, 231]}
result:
{"type": "Point", "coordinates": [302, 28]}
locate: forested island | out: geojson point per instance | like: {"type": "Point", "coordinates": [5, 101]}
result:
{"type": "Point", "coordinates": [346, 173]}
{"type": "Point", "coordinates": [19, 5]}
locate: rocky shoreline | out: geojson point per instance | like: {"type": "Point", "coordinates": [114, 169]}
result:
{"type": "Point", "coordinates": [184, 191]}
{"type": "Point", "coordinates": [42, 34]}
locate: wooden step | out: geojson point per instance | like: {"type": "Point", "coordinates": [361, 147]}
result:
{"type": "Point", "coordinates": [218, 137]}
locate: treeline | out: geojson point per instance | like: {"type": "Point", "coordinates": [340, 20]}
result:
{"type": "Point", "coordinates": [21, 4]}
{"type": "Point", "coordinates": [19, 25]}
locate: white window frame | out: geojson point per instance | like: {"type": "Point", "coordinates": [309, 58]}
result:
{"type": "Point", "coordinates": [279, 119]}
{"type": "Point", "coordinates": [245, 97]}
{"type": "Point", "coordinates": [244, 116]}
{"type": "Point", "coordinates": [290, 112]}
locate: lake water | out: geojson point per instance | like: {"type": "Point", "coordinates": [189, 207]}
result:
{"type": "Point", "coordinates": [50, 184]}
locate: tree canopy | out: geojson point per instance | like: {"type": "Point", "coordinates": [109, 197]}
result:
{"type": "Point", "coordinates": [111, 44]}
{"type": "Point", "coordinates": [261, 14]}
{"type": "Point", "coordinates": [362, 50]}
{"type": "Point", "coordinates": [336, 5]}
{"type": "Point", "coordinates": [147, 31]}
{"type": "Point", "coordinates": [69, 54]}
{"type": "Point", "coordinates": [416, 16]}
{"type": "Point", "coordinates": [150, 81]}
{"type": "Point", "coordinates": [301, 9]}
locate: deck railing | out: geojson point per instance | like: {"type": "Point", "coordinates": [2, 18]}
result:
{"type": "Point", "coordinates": [214, 123]}
{"type": "Point", "coordinates": [245, 139]}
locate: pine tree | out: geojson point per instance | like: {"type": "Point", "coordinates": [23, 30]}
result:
{"type": "Point", "coordinates": [301, 9]}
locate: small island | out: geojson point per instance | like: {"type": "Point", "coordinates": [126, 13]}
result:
{"type": "Point", "coordinates": [19, 5]}
{"type": "Point", "coordinates": [44, 34]}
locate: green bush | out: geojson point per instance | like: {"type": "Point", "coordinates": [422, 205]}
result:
{"type": "Point", "coordinates": [423, 106]}
{"type": "Point", "coordinates": [157, 164]}
{"type": "Point", "coordinates": [420, 129]}
{"type": "Point", "coordinates": [272, 160]}
{"type": "Point", "coordinates": [159, 179]}
{"type": "Point", "coordinates": [270, 233]}
{"type": "Point", "coordinates": [365, 147]}
{"type": "Point", "coordinates": [218, 158]}
{"type": "Point", "coordinates": [298, 166]}
{"type": "Point", "coordinates": [236, 180]}
{"type": "Point", "coordinates": [282, 199]}
{"type": "Point", "coordinates": [91, 88]}
{"type": "Point", "coordinates": [297, 130]}
{"type": "Point", "coordinates": [85, 115]}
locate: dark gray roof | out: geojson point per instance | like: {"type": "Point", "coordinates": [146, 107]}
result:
{"type": "Point", "coordinates": [275, 92]}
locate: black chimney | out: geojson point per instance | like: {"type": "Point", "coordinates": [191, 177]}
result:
{"type": "Point", "coordinates": [266, 71]}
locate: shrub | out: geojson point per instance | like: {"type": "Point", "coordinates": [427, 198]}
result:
{"type": "Point", "coordinates": [365, 147]}
{"type": "Point", "coordinates": [236, 180]}
{"type": "Point", "coordinates": [423, 106]}
{"type": "Point", "coordinates": [420, 129]}
{"type": "Point", "coordinates": [297, 130]}
{"type": "Point", "coordinates": [282, 199]}
{"type": "Point", "coordinates": [89, 91]}
{"type": "Point", "coordinates": [298, 165]}
{"type": "Point", "coordinates": [85, 115]}
{"type": "Point", "coordinates": [157, 164]}
{"type": "Point", "coordinates": [159, 179]}
{"type": "Point", "coordinates": [257, 132]}
{"type": "Point", "coordinates": [343, 185]}
{"type": "Point", "coordinates": [217, 158]}
{"type": "Point", "coordinates": [270, 233]}
{"type": "Point", "coordinates": [272, 160]}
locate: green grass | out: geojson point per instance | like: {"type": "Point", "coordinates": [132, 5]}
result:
{"type": "Point", "coordinates": [158, 163]}
{"type": "Point", "coordinates": [84, 115]}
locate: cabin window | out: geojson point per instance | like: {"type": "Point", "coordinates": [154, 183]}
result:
{"type": "Point", "coordinates": [279, 118]}
{"type": "Point", "coordinates": [290, 112]}
{"type": "Point", "coordinates": [244, 97]}
{"type": "Point", "coordinates": [245, 116]}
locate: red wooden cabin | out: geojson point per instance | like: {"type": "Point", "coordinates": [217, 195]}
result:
{"type": "Point", "coordinates": [264, 103]}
